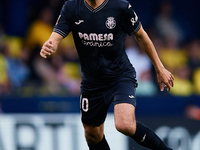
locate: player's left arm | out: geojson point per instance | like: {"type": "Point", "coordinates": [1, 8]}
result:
{"type": "Point", "coordinates": [163, 75]}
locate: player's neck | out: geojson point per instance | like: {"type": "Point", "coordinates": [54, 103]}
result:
{"type": "Point", "coordinates": [94, 3]}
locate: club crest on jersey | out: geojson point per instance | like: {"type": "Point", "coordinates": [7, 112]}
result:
{"type": "Point", "coordinates": [110, 23]}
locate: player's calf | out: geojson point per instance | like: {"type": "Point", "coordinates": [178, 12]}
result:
{"type": "Point", "coordinates": [95, 137]}
{"type": "Point", "coordinates": [93, 134]}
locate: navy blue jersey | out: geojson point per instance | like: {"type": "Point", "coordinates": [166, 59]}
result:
{"type": "Point", "coordinates": [99, 36]}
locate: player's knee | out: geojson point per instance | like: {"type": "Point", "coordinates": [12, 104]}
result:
{"type": "Point", "coordinates": [92, 137]}
{"type": "Point", "coordinates": [126, 127]}
{"type": "Point", "coordinates": [93, 134]}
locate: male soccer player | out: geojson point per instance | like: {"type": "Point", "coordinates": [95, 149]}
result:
{"type": "Point", "coordinates": [99, 28]}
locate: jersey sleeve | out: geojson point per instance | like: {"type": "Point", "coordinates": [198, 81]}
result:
{"type": "Point", "coordinates": [63, 26]}
{"type": "Point", "coordinates": [131, 23]}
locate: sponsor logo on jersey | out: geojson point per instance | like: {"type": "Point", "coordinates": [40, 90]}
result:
{"type": "Point", "coordinates": [110, 23]}
{"type": "Point", "coordinates": [96, 37]}
{"type": "Point", "coordinates": [97, 40]}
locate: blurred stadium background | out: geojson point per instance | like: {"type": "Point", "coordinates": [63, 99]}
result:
{"type": "Point", "coordinates": [39, 98]}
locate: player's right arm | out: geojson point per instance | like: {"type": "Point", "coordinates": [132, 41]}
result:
{"type": "Point", "coordinates": [61, 30]}
{"type": "Point", "coordinates": [51, 45]}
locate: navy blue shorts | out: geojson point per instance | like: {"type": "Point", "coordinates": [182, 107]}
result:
{"type": "Point", "coordinates": [94, 106]}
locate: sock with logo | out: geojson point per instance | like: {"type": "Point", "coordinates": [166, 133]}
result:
{"type": "Point", "coordinates": [147, 138]}
{"type": "Point", "coordinates": [102, 145]}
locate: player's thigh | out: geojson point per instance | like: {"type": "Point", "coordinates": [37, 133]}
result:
{"type": "Point", "coordinates": [125, 121]}
{"type": "Point", "coordinates": [93, 134]}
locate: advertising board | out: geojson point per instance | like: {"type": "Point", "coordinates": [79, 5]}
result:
{"type": "Point", "coordinates": [51, 132]}
{"type": "Point", "coordinates": [179, 133]}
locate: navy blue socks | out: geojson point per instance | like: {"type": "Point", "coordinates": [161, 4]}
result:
{"type": "Point", "coordinates": [102, 145]}
{"type": "Point", "coordinates": [147, 138]}
{"type": "Point", "coordinates": [143, 136]}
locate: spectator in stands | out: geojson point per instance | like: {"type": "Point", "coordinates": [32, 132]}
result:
{"type": "Point", "coordinates": [37, 33]}
{"type": "Point", "coordinates": [165, 25]}
{"type": "Point", "coordinates": [143, 68]}
{"type": "Point", "coordinates": [193, 112]}
{"type": "Point", "coordinates": [16, 70]}
{"type": "Point", "coordinates": [193, 54]}
{"type": "Point", "coordinates": [48, 80]}
{"type": "Point", "coordinates": [182, 85]}
{"type": "Point", "coordinates": [40, 29]}
{"type": "Point", "coordinates": [196, 81]}
{"type": "Point", "coordinates": [58, 75]}
{"type": "Point", "coordinates": [69, 74]}
{"type": "Point", "coordinates": [53, 76]}
{"type": "Point", "coordinates": [4, 79]}
{"type": "Point", "coordinates": [2, 35]}
{"type": "Point", "coordinates": [172, 55]}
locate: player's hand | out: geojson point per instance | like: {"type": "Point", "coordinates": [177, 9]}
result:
{"type": "Point", "coordinates": [47, 49]}
{"type": "Point", "coordinates": [165, 79]}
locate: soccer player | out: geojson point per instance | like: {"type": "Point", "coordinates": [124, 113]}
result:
{"type": "Point", "coordinates": [99, 28]}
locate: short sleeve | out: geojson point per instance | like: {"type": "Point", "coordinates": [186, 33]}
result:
{"type": "Point", "coordinates": [131, 23]}
{"type": "Point", "coordinates": [63, 26]}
